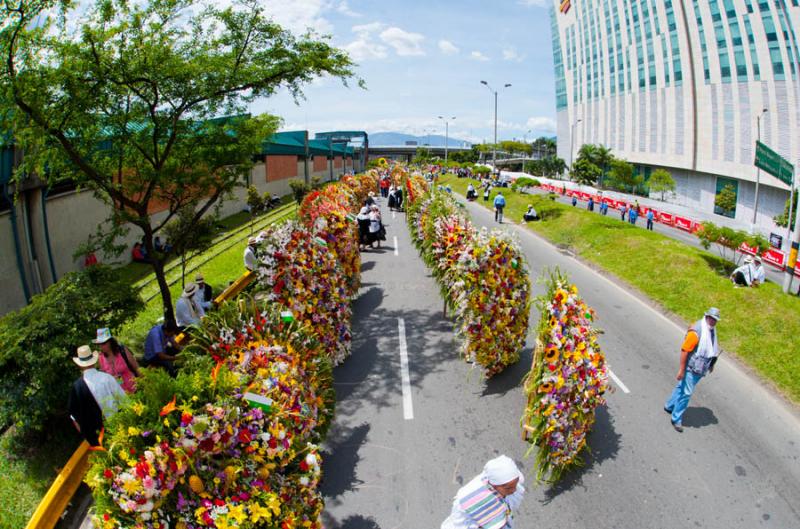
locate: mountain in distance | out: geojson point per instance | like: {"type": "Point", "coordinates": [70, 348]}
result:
{"type": "Point", "coordinates": [399, 139]}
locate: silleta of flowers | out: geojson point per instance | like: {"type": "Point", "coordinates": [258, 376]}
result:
{"type": "Point", "coordinates": [567, 381]}
{"type": "Point", "coordinates": [232, 442]}
{"type": "Point", "coordinates": [483, 277]}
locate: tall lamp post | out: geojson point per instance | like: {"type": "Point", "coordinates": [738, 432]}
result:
{"type": "Point", "coordinates": [446, 135]}
{"type": "Point", "coordinates": [572, 143]}
{"type": "Point", "coordinates": [494, 147]}
{"type": "Point", "coordinates": [758, 171]}
{"type": "Point", "coordinates": [525, 141]}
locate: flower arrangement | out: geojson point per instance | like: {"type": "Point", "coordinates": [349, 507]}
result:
{"type": "Point", "coordinates": [567, 381]}
{"type": "Point", "coordinates": [231, 442]}
{"type": "Point", "coordinates": [299, 272]}
{"type": "Point", "coordinates": [483, 277]}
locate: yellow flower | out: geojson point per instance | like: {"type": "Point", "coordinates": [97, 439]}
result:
{"type": "Point", "coordinates": [138, 408]}
{"type": "Point", "coordinates": [132, 430]}
{"type": "Point", "coordinates": [237, 513]}
{"type": "Point", "coordinates": [259, 512]}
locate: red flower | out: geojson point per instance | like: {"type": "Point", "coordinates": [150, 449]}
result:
{"type": "Point", "coordinates": [219, 503]}
{"type": "Point", "coordinates": [108, 474]}
{"type": "Point", "coordinates": [106, 517]}
{"type": "Point", "coordinates": [244, 436]}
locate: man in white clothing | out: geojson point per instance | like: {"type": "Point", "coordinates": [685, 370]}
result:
{"type": "Point", "coordinates": [759, 276]}
{"type": "Point", "coordinates": [250, 257]}
{"type": "Point", "coordinates": [188, 309]}
{"type": "Point", "coordinates": [489, 499]}
{"type": "Point", "coordinates": [743, 275]}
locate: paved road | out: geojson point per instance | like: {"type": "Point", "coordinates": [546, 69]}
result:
{"type": "Point", "coordinates": [735, 466]}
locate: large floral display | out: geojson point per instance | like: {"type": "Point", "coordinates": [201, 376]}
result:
{"type": "Point", "coordinates": [567, 381]}
{"type": "Point", "coordinates": [232, 442]}
{"type": "Point", "coordinates": [483, 276]}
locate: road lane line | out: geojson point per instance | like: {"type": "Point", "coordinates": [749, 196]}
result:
{"type": "Point", "coordinates": [395, 245]}
{"type": "Point", "coordinates": [405, 379]}
{"type": "Point", "coordinates": [616, 380]}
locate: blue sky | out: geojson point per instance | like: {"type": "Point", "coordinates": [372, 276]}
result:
{"type": "Point", "coordinates": [423, 59]}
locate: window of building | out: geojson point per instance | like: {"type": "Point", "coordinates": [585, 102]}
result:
{"type": "Point", "coordinates": [727, 195]}
{"type": "Point", "coordinates": [753, 53]}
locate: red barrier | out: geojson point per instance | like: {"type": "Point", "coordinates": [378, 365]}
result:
{"type": "Point", "coordinates": [775, 258]}
{"type": "Point", "coordinates": [797, 271]}
{"type": "Point", "coordinates": [744, 248]}
{"type": "Point", "coordinates": [682, 223]}
{"type": "Point", "coordinates": [666, 218]}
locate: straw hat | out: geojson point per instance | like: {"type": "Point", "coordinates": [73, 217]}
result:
{"type": "Point", "coordinates": [190, 289]}
{"type": "Point", "coordinates": [252, 240]}
{"type": "Point", "coordinates": [86, 357]}
{"type": "Point", "coordinates": [199, 278]}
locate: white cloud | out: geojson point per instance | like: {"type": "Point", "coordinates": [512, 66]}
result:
{"type": "Point", "coordinates": [447, 47]}
{"type": "Point", "coordinates": [478, 56]}
{"type": "Point", "coordinates": [365, 47]}
{"type": "Point", "coordinates": [535, 3]}
{"type": "Point", "coordinates": [367, 29]}
{"type": "Point", "coordinates": [300, 15]}
{"type": "Point", "coordinates": [344, 9]}
{"type": "Point", "coordinates": [404, 43]}
{"type": "Point", "coordinates": [541, 124]}
{"type": "Point", "coordinates": [511, 54]}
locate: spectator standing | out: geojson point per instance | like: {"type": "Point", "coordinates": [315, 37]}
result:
{"type": "Point", "coordinates": [574, 201]}
{"type": "Point", "coordinates": [499, 205]}
{"type": "Point", "coordinates": [250, 256]}
{"type": "Point", "coordinates": [650, 217]}
{"type": "Point", "coordinates": [623, 209]}
{"type": "Point", "coordinates": [699, 353]}
{"type": "Point", "coordinates": [205, 294]}
{"type": "Point", "coordinates": [117, 360]}
{"type": "Point", "coordinates": [590, 205]}
{"type": "Point", "coordinates": [94, 396]}
{"type": "Point", "coordinates": [633, 214]}
{"type": "Point", "coordinates": [160, 349]}
{"type": "Point", "coordinates": [188, 310]}
{"type": "Point", "coordinates": [384, 185]}
{"type": "Point", "coordinates": [487, 192]}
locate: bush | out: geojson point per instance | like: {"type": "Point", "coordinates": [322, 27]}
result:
{"type": "Point", "coordinates": [729, 240]}
{"type": "Point", "coordinates": [299, 189]}
{"type": "Point", "coordinates": [524, 182]}
{"type": "Point", "coordinates": [36, 370]}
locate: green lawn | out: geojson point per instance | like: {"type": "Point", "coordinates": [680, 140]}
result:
{"type": "Point", "coordinates": [761, 326]}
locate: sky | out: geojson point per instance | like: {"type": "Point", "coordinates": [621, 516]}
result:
{"type": "Point", "coordinates": [421, 59]}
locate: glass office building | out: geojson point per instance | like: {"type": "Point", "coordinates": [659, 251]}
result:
{"type": "Point", "coordinates": [681, 84]}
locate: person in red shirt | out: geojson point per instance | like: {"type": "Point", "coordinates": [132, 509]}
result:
{"type": "Point", "coordinates": [91, 259]}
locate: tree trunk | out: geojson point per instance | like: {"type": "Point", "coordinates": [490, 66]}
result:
{"type": "Point", "coordinates": [161, 278]}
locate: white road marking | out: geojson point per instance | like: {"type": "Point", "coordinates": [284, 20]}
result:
{"type": "Point", "coordinates": [395, 245]}
{"type": "Point", "coordinates": [618, 382]}
{"type": "Point", "coordinates": [405, 379]}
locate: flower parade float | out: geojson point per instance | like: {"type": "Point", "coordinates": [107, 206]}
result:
{"type": "Point", "coordinates": [482, 274]}
{"type": "Point", "coordinates": [232, 442]}
{"type": "Point", "coordinates": [566, 383]}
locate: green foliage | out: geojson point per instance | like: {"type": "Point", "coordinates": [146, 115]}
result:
{"type": "Point", "coordinates": [423, 156]}
{"type": "Point", "coordinates": [728, 240]}
{"type": "Point", "coordinates": [190, 236]}
{"type": "Point", "coordinates": [125, 98]}
{"type": "Point", "coordinates": [316, 182]}
{"type": "Point", "coordinates": [622, 177]}
{"type": "Point", "coordinates": [661, 182]}
{"type": "Point", "coordinates": [524, 182]}
{"type": "Point", "coordinates": [254, 200]}
{"type": "Point", "coordinates": [481, 170]}
{"type": "Point", "coordinates": [726, 200]}
{"type": "Point", "coordinates": [782, 219]}
{"type": "Point", "coordinates": [373, 164]}
{"type": "Point", "coordinates": [547, 166]}
{"type": "Point", "coordinates": [36, 370]}
{"type": "Point", "coordinates": [299, 189]}
{"type": "Point", "coordinates": [585, 172]}
{"type": "Point", "coordinates": [465, 157]}
{"type": "Point", "coordinates": [516, 147]}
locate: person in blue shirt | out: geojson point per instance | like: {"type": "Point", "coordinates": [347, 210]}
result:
{"type": "Point", "coordinates": [499, 204]}
{"type": "Point", "coordinates": [590, 205]}
{"type": "Point", "coordinates": [160, 349]}
{"type": "Point", "coordinates": [633, 214]}
{"type": "Point", "coordinates": [650, 217]}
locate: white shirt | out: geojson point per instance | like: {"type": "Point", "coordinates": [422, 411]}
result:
{"type": "Point", "coordinates": [747, 272]}
{"type": "Point", "coordinates": [188, 311]}
{"type": "Point", "coordinates": [759, 274]}
{"type": "Point", "coordinates": [250, 259]}
{"type": "Point", "coordinates": [458, 519]}
{"type": "Point", "coordinates": [106, 391]}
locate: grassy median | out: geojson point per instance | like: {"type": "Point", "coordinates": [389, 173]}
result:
{"type": "Point", "coordinates": [761, 325]}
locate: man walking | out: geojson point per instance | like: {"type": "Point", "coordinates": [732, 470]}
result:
{"type": "Point", "coordinates": [489, 500]}
{"type": "Point", "coordinates": [699, 353]}
{"type": "Point", "coordinates": [499, 204]}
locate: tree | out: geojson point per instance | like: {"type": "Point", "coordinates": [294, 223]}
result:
{"type": "Point", "coordinates": [544, 147]}
{"type": "Point", "coordinates": [585, 172]}
{"type": "Point", "coordinates": [190, 237]}
{"type": "Point", "coordinates": [36, 370]}
{"type": "Point", "coordinates": [725, 201]}
{"type": "Point", "coordinates": [128, 104]}
{"type": "Point", "coordinates": [729, 241]}
{"type": "Point", "coordinates": [782, 219]}
{"type": "Point", "coordinates": [661, 182]}
{"type": "Point", "coordinates": [423, 156]}
{"type": "Point", "coordinates": [622, 177]}
{"type": "Point", "coordinates": [465, 157]}
{"type": "Point", "coordinates": [603, 158]}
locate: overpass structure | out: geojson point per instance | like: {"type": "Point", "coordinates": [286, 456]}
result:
{"type": "Point", "coordinates": [405, 153]}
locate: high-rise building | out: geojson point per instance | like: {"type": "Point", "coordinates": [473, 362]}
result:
{"type": "Point", "coordinates": [684, 85]}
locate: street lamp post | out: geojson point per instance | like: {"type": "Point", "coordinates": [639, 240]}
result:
{"type": "Point", "coordinates": [446, 135]}
{"type": "Point", "coordinates": [525, 141]}
{"type": "Point", "coordinates": [758, 171]}
{"type": "Point", "coordinates": [494, 147]}
{"type": "Point", "coordinates": [572, 142]}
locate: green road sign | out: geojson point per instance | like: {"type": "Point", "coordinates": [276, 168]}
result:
{"type": "Point", "coordinates": [773, 163]}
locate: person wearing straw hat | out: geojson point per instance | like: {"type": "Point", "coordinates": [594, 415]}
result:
{"type": "Point", "coordinates": [699, 354]}
{"type": "Point", "coordinates": [759, 276]}
{"type": "Point", "coordinates": [117, 360]}
{"type": "Point", "coordinates": [205, 295]}
{"type": "Point", "coordinates": [93, 397]}
{"type": "Point", "coordinates": [489, 500]}
{"type": "Point", "coordinates": [743, 275]}
{"type": "Point", "coordinates": [250, 256]}
{"type": "Point", "coordinates": [188, 310]}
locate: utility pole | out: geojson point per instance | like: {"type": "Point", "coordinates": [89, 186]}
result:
{"type": "Point", "coordinates": [494, 147]}
{"type": "Point", "coordinates": [758, 172]}
{"type": "Point", "coordinates": [446, 135]}
{"type": "Point", "coordinates": [572, 143]}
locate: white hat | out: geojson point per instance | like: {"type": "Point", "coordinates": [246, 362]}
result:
{"type": "Point", "coordinates": [86, 357]}
{"type": "Point", "coordinates": [103, 335]}
{"type": "Point", "coordinates": [190, 289]}
{"type": "Point", "coordinates": [714, 313]}
{"type": "Point", "coordinates": [748, 259]}
{"type": "Point", "coordinates": [199, 278]}
{"type": "Point", "coordinates": [502, 470]}
{"type": "Point", "coordinates": [757, 259]}
{"type": "Point", "coordinates": [252, 240]}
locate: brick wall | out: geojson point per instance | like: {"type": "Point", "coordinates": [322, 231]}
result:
{"type": "Point", "coordinates": [280, 167]}
{"type": "Point", "coordinates": [320, 163]}
{"type": "Point", "coordinates": [337, 161]}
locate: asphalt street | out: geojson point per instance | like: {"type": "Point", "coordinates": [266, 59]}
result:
{"type": "Point", "coordinates": [388, 466]}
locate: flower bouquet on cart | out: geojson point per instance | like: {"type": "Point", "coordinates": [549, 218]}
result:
{"type": "Point", "coordinates": [567, 381]}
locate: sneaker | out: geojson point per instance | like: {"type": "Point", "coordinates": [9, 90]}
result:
{"type": "Point", "coordinates": [669, 411]}
{"type": "Point", "coordinates": [678, 427]}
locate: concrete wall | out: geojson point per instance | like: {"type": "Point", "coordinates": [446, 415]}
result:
{"type": "Point", "coordinates": [10, 281]}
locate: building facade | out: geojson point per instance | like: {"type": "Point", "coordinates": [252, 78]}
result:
{"type": "Point", "coordinates": [687, 85]}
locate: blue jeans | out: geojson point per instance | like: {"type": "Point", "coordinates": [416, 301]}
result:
{"type": "Point", "coordinates": [679, 400]}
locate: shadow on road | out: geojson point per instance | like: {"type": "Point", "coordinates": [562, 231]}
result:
{"type": "Point", "coordinates": [511, 377]}
{"type": "Point", "coordinates": [699, 417]}
{"type": "Point", "coordinates": [351, 522]}
{"type": "Point", "coordinates": [367, 265]}
{"type": "Point", "coordinates": [345, 444]}
{"type": "Point", "coordinates": [604, 442]}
